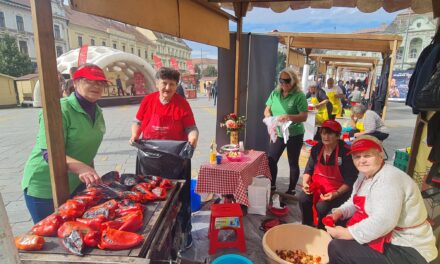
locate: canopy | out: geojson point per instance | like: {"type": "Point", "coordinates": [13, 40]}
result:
{"type": "Point", "coordinates": [340, 58]}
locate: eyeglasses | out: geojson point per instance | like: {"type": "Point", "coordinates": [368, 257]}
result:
{"type": "Point", "coordinates": [285, 81]}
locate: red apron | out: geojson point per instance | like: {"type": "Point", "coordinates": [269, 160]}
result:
{"type": "Point", "coordinates": [163, 127]}
{"type": "Point", "coordinates": [325, 179]}
{"type": "Point", "coordinates": [360, 214]}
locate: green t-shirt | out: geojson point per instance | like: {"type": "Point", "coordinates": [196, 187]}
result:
{"type": "Point", "coordinates": [292, 104]}
{"type": "Point", "coordinates": [82, 138]}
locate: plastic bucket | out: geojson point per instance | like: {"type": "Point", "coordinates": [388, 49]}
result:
{"type": "Point", "coordinates": [195, 198]}
{"type": "Point", "coordinates": [232, 259]}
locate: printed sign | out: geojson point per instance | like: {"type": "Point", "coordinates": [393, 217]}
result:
{"type": "Point", "coordinates": [399, 85]}
{"type": "Point", "coordinates": [139, 83]}
{"type": "Point", "coordinates": [82, 56]}
{"type": "Point", "coordinates": [157, 62]}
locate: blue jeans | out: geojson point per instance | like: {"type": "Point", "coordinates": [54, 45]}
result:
{"type": "Point", "coordinates": [40, 208]}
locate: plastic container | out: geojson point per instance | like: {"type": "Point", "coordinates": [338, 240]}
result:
{"type": "Point", "coordinates": [237, 158]}
{"type": "Point", "coordinates": [195, 198]}
{"type": "Point", "coordinates": [232, 259]}
{"type": "Point", "coordinates": [295, 236]}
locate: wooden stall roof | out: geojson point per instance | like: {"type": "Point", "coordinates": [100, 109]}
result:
{"type": "Point", "coordinates": [366, 6]}
{"type": "Point", "coordinates": [354, 42]}
{"type": "Point", "coordinates": [195, 20]}
{"type": "Point", "coordinates": [340, 58]}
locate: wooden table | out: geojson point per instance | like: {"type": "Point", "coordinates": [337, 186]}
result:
{"type": "Point", "coordinates": [233, 177]}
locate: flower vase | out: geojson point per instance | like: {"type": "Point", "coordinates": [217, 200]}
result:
{"type": "Point", "coordinates": [234, 137]}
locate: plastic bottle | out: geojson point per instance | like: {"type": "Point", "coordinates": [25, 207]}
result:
{"type": "Point", "coordinates": [213, 153]}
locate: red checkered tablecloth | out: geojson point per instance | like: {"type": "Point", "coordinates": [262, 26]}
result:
{"type": "Point", "coordinates": [233, 177]}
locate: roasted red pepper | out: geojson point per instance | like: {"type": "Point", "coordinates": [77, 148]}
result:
{"type": "Point", "coordinates": [48, 226]}
{"type": "Point", "coordinates": [89, 200]}
{"type": "Point", "coordinates": [67, 228]}
{"type": "Point", "coordinates": [106, 209]}
{"type": "Point", "coordinates": [111, 224]}
{"type": "Point", "coordinates": [116, 240]}
{"type": "Point", "coordinates": [149, 197]}
{"type": "Point", "coordinates": [133, 196]}
{"type": "Point", "coordinates": [160, 193]}
{"type": "Point", "coordinates": [128, 207]}
{"type": "Point", "coordinates": [29, 242]}
{"type": "Point", "coordinates": [94, 223]}
{"type": "Point", "coordinates": [166, 184]}
{"type": "Point", "coordinates": [74, 242]}
{"type": "Point", "coordinates": [142, 187]}
{"type": "Point", "coordinates": [131, 222]}
{"type": "Point", "coordinates": [91, 239]}
{"type": "Point", "coordinates": [328, 221]}
{"type": "Point", "coordinates": [72, 209]}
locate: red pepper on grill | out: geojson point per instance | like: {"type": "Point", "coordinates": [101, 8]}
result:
{"type": "Point", "coordinates": [131, 222]}
{"type": "Point", "coordinates": [111, 224]}
{"type": "Point", "coordinates": [106, 209]}
{"type": "Point", "coordinates": [328, 221]}
{"type": "Point", "coordinates": [48, 226]}
{"type": "Point", "coordinates": [133, 196]}
{"type": "Point", "coordinates": [141, 187]}
{"type": "Point", "coordinates": [160, 193]}
{"type": "Point", "coordinates": [149, 197]}
{"type": "Point", "coordinates": [67, 228]}
{"type": "Point", "coordinates": [71, 209]}
{"type": "Point", "coordinates": [29, 242]}
{"type": "Point", "coordinates": [166, 184]}
{"type": "Point", "coordinates": [88, 200]}
{"type": "Point", "coordinates": [116, 240]}
{"type": "Point", "coordinates": [94, 223]}
{"type": "Point", "coordinates": [91, 239]}
{"type": "Point", "coordinates": [126, 208]}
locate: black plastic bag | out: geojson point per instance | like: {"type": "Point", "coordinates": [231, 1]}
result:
{"type": "Point", "coordinates": [428, 98]}
{"type": "Point", "coordinates": [165, 158]}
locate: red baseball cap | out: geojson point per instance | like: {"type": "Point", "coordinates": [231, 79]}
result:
{"type": "Point", "coordinates": [90, 72]}
{"type": "Point", "coordinates": [332, 125]}
{"type": "Point", "coordinates": [363, 145]}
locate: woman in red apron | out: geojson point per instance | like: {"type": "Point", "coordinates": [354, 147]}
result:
{"type": "Point", "coordinates": [328, 177]}
{"type": "Point", "coordinates": [387, 219]}
{"type": "Point", "coordinates": [165, 115]}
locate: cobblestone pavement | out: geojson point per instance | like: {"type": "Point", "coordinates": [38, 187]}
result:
{"type": "Point", "coordinates": [18, 127]}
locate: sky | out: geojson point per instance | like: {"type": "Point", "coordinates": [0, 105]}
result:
{"type": "Point", "coordinates": [334, 20]}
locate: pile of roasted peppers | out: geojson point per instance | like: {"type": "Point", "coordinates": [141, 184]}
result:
{"type": "Point", "coordinates": [105, 216]}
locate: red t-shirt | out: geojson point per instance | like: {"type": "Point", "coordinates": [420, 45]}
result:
{"type": "Point", "coordinates": [165, 121]}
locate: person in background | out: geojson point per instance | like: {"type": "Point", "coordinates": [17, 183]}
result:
{"type": "Point", "coordinates": [69, 87]}
{"type": "Point", "coordinates": [165, 115]}
{"type": "Point", "coordinates": [209, 90]}
{"type": "Point", "coordinates": [332, 173]}
{"type": "Point", "coordinates": [335, 94]}
{"type": "Point", "coordinates": [367, 122]}
{"type": "Point", "coordinates": [180, 91]}
{"type": "Point", "coordinates": [215, 92]}
{"type": "Point", "coordinates": [344, 91]}
{"type": "Point", "coordinates": [355, 97]}
{"type": "Point", "coordinates": [84, 128]}
{"type": "Point", "coordinates": [61, 83]}
{"type": "Point", "coordinates": [119, 86]}
{"type": "Point", "coordinates": [320, 102]}
{"type": "Point", "coordinates": [387, 218]}
{"type": "Point", "coordinates": [288, 103]}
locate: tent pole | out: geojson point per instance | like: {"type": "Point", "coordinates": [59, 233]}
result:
{"type": "Point", "coordinates": [288, 52]}
{"type": "Point", "coordinates": [390, 77]}
{"type": "Point", "coordinates": [50, 98]}
{"type": "Point", "coordinates": [240, 11]}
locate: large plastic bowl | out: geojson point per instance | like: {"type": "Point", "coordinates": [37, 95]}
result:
{"type": "Point", "coordinates": [232, 259]}
{"type": "Point", "coordinates": [295, 236]}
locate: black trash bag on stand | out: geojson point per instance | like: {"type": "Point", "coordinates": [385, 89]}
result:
{"type": "Point", "coordinates": [172, 160]}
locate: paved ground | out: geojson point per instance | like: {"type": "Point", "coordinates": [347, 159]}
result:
{"type": "Point", "coordinates": [19, 128]}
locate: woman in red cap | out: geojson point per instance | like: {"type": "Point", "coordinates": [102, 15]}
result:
{"type": "Point", "coordinates": [328, 176]}
{"type": "Point", "coordinates": [84, 128]}
{"type": "Point", "coordinates": [387, 218]}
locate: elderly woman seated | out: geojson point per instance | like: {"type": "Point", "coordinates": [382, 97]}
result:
{"type": "Point", "coordinates": [367, 122]}
{"type": "Point", "coordinates": [328, 177]}
{"type": "Point", "coordinates": [387, 219]}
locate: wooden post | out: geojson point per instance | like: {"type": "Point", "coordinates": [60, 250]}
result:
{"type": "Point", "coordinates": [436, 8]}
{"type": "Point", "coordinates": [8, 251]}
{"type": "Point", "coordinates": [240, 11]}
{"type": "Point", "coordinates": [415, 144]}
{"type": "Point", "coordinates": [288, 51]}
{"type": "Point", "coordinates": [390, 77]}
{"type": "Point", "coordinates": [50, 98]}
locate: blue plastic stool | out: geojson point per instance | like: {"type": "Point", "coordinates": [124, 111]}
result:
{"type": "Point", "coordinates": [195, 198]}
{"type": "Point", "coordinates": [232, 259]}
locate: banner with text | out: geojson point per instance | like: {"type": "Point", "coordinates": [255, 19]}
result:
{"type": "Point", "coordinates": [157, 62]}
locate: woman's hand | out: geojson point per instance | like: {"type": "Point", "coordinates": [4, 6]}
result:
{"type": "Point", "coordinates": [339, 232]}
{"type": "Point", "coordinates": [329, 196]}
{"type": "Point", "coordinates": [88, 175]}
{"type": "Point", "coordinates": [132, 140]}
{"type": "Point", "coordinates": [283, 118]}
{"type": "Point", "coordinates": [306, 188]}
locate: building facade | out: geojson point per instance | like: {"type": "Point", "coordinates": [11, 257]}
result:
{"type": "Point", "coordinates": [203, 63]}
{"type": "Point", "coordinates": [98, 31]}
{"type": "Point", "coordinates": [168, 47]}
{"type": "Point", "coordinates": [16, 20]}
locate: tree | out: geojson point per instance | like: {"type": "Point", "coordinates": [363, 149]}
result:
{"type": "Point", "coordinates": [12, 61]}
{"type": "Point", "coordinates": [281, 62]}
{"type": "Point", "coordinates": [210, 71]}
{"type": "Point", "coordinates": [198, 72]}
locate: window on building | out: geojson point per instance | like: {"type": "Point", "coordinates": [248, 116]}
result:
{"type": "Point", "coordinates": [80, 41]}
{"type": "Point", "coordinates": [419, 24]}
{"type": "Point", "coordinates": [363, 54]}
{"type": "Point", "coordinates": [103, 43]}
{"type": "Point", "coordinates": [56, 31]}
{"type": "Point", "coordinates": [92, 42]}
{"type": "Point", "coordinates": [20, 23]}
{"type": "Point", "coordinates": [146, 55]}
{"type": "Point", "coordinates": [399, 54]}
{"type": "Point", "coordinates": [123, 47]}
{"type": "Point", "coordinates": [132, 50]}
{"type": "Point", "coordinates": [59, 50]}
{"type": "Point", "coordinates": [415, 46]}
{"type": "Point", "coordinates": [23, 47]}
{"type": "Point", "coordinates": [2, 20]}
{"type": "Point", "coordinates": [115, 46]}
{"type": "Point", "coordinates": [139, 52]}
